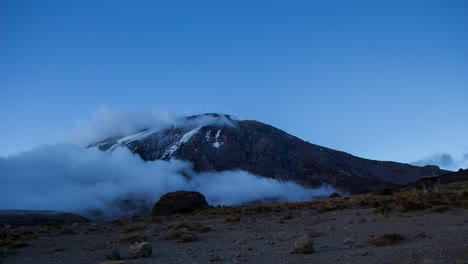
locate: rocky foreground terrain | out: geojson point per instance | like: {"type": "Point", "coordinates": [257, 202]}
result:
{"type": "Point", "coordinates": [391, 227]}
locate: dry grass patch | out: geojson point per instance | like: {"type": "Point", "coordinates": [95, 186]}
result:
{"type": "Point", "coordinates": [387, 240]}
{"type": "Point", "coordinates": [132, 229]}
{"type": "Point", "coordinates": [189, 226]}
{"type": "Point", "coordinates": [232, 219]}
{"type": "Point", "coordinates": [133, 239]}
{"type": "Point", "coordinates": [405, 200]}
{"type": "Point", "coordinates": [18, 245]}
{"type": "Point", "coordinates": [383, 210]}
{"type": "Point", "coordinates": [180, 236]}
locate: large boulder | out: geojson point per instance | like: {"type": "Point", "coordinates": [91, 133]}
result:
{"type": "Point", "coordinates": [180, 202]}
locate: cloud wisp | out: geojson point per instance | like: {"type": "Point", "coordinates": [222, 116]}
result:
{"type": "Point", "coordinates": [107, 123]}
{"type": "Point", "coordinates": [444, 161]}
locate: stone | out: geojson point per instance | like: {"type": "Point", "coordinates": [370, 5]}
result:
{"type": "Point", "coordinates": [214, 258]}
{"type": "Point", "coordinates": [304, 245]}
{"type": "Point", "coordinates": [188, 237]}
{"type": "Point", "coordinates": [180, 202]}
{"type": "Point", "coordinates": [113, 255]}
{"type": "Point", "coordinates": [334, 195]}
{"type": "Point", "coordinates": [141, 250]}
{"type": "Point", "coordinates": [53, 249]}
{"type": "Point", "coordinates": [244, 248]}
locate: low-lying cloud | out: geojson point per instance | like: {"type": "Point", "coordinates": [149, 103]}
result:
{"type": "Point", "coordinates": [445, 161]}
{"type": "Point", "coordinates": [90, 182]}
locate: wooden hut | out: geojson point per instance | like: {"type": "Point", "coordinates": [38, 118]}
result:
{"type": "Point", "coordinates": [430, 183]}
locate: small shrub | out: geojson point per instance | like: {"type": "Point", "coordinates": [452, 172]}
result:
{"type": "Point", "coordinates": [232, 219]}
{"type": "Point", "coordinates": [133, 239]}
{"type": "Point", "coordinates": [420, 235]}
{"type": "Point", "coordinates": [287, 217]}
{"type": "Point", "coordinates": [383, 210]}
{"type": "Point", "coordinates": [386, 191]}
{"type": "Point", "coordinates": [387, 240]}
{"type": "Point", "coordinates": [180, 236]}
{"type": "Point", "coordinates": [440, 209]}
{"type": "Point", "coordinates": [53, 249]}
{"type": "Point", "coordinates": [189, 226]}
{"type": "Point", "coordinates": [174, 235]}
{"type": "Point", "coordinates": [18, 246]}
{"type": "Point", "coordinates": [132, 229]}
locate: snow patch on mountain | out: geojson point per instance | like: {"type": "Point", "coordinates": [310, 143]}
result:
{"type": "Point", "coordinates": [217, 144]}
{"type": "Point", "coordinates": [185, 138]}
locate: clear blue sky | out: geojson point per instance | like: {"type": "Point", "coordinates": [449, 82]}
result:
{"type": "Point", "coordinates": [385, 80]}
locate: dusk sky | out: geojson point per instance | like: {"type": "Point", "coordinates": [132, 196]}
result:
{"type": "Point", "coordinates": [385, 80]}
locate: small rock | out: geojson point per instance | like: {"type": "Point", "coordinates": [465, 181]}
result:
{"type": "Point", "coordinates": [357, 246]}
{"type": "Point", "coordinates": [112, 262]}
{"type": "Point", "coordinates": [187, 237]}
{"type": "Point", "coordinates": [141, 250]}
{"type": "Point", "coordinates": [420, 235]}
{"type": "Point", "coordinates": [243, 247]}
{"type": "Point", "coordinates": [214, 258]}
{"type": "Point", "coordinates": [113, 255]}
{"type": "Point", "coordinates": [348, 241]}
{"type": "Point", "coordinates": [304, 245]}
{"type": "Point", "coordinates": [334, 195]}
{"type": "Point", "coordinates": [53, 249]}
{"type": "Point", "coordinates": [429, 261]}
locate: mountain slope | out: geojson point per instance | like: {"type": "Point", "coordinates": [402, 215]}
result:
{"type": "Point", "coordinates": [228, 144]}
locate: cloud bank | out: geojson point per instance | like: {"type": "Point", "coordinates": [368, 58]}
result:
{"type": "Point", "coordinates": [444, 161]}
{"type": "Point", "coordinates": [98, 184]}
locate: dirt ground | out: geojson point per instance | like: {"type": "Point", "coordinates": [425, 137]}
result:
{"type": "Point", "coordinates": [339, 237]}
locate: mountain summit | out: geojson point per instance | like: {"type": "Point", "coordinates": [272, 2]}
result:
{"type": "Point", "coordinates": [217, 142]}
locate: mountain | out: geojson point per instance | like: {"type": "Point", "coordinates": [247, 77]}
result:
{"type": "Point", "coordinates": [214, 142]}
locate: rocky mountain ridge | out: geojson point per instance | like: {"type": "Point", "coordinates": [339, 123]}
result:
{"type": "Point", "coordinates": [224, 143]}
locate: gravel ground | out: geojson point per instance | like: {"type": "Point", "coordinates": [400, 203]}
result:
{"type": "Point", "coordinates": [339, 237]}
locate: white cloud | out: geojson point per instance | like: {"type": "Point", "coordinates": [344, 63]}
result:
{"type": "Point", "coordinates": [71, 178]}
{"type": "Point", "coordinates": [107, 123]}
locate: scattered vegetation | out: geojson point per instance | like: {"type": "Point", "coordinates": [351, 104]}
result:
{"type": "Point", "coordinates": [232, 219]}
{"type": "Point", "coordinates": [132, 239]}
{"type": "Point", "coordinates": [181, 236]}
{"type": "Point", "coordinates": [189, 226]}
{"type": "Point", "coordinates": [182, 231]}
{"type": "Point", "coordinates": [420, 235]}
{"type": "Point", "coordinates": [132, 229]}
{"type": "Point", "coordinates": [18, 245]}
{"type": "Point", "coordinates": [387, 239]}
{"type": "Point", "coordinates": [383, 210]}
{"type": "Point", "coordinates": [53, 249]}
{"type": "Point", "coordinates": [286, 218]}
{"type": "Point", "coordinates": [405, 200]}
